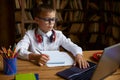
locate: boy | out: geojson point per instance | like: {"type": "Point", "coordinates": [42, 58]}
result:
{"type": "Point", "coordinates": [45, 38]}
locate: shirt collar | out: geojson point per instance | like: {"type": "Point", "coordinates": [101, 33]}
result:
{"type": "Point", "coordinates": [48, 34]}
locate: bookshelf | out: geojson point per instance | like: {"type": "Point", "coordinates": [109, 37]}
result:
{"type": "Point", "coordinates": [23, 17]}
{"type": "Point", "coordinates": [92, 24]}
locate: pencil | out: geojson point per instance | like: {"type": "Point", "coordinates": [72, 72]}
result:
{"type": "Point", "coordinates": [14, 53]}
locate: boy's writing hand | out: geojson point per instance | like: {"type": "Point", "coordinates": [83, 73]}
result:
{"type": "Point", "coordinates": [82, 63]}
{"type": "Point", "coordinates": [42, 59]}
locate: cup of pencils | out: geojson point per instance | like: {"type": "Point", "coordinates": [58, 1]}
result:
{"type": "Point", "coordinates": [9, 60]}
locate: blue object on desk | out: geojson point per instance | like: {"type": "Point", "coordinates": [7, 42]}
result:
{"type": "Point", "coordinates": [10, 67]}
{"type": "Point", "coordinates": [55, 62]}
{"type": "Point", "coordinates": [37, 76]}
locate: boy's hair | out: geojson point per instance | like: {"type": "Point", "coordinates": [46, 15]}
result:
{"type": "Point", "coordinates": [42, 7]}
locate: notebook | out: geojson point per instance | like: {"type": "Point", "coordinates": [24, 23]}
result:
{"type": "Point", "coordinates": [58, 58]}
{"type": "Point", "coordinates": [27, 76]}
{"type": "Point", "coordinates": [108, 63]}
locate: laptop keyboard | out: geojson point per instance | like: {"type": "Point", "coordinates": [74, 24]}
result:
{"type": "Point", "coordinates": [75, 73]}
{"type": "Point", "coordinates": [84, 76]}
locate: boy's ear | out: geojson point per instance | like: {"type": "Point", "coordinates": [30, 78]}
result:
{"type": "Point", "coordinates": [36, 19]}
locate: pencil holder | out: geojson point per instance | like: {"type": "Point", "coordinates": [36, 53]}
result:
{"type": "Point", "coordinates": [9, 66]}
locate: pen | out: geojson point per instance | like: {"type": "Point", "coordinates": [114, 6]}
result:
{"type": "Point", "coordinates": [38, 51]}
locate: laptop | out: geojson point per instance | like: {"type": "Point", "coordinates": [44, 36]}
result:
{"type": "Point", "coordinates": [108, 64]}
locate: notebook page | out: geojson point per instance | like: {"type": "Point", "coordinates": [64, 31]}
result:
{"type": "Point", "coordinates": [58, 58]}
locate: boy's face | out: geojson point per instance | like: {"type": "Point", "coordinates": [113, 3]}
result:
{"type": "Point", "coordinates": [46, 20]}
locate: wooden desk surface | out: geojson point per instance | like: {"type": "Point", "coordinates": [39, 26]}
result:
{"type": "Point", "coordinates": [46, 73]}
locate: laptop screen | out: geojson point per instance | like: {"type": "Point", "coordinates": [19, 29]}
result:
{"type": "Point", "coordinates": [108, 63]}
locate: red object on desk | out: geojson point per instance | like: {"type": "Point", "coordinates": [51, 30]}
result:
{"type": "Point", "coordinates": [97, 55]}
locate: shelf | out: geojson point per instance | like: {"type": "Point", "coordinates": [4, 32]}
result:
{"type": "Point", "coordinates": [83, 16]}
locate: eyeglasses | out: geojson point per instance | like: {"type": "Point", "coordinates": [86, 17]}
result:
{"type": "Point", "coordinates": [48, 19]}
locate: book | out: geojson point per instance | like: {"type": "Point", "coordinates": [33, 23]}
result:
{"type": "Point", "coordinates": [81, 27]}
{"type": "Point", "coordinates": [115, 32]}
{"type": "Point", "coordinates": [75, 15]}
{"type": "Point", "coordinates": [18, 16]}
{"type": "Point", "coordinates": [27, 76]}
{"type": "Point", "coordinates": [75, 4]}
{"type": "Point", "coordinates": [94, 27]}
{"type": "Point", "coordinates": [59, 16]}
{"type": "Point", "coordinates": [74, 28]}
{"type": "Point", "coordinates": [18, 28]}
{"type": "Point", "coordinates": [17, 4]}
{"type": "Point", "coordinates": [80, 4]}
{"type": "Point", "coordinates": [63, 4]}
{"type": "Point", "coordinates": [74, 38]}
{"type": "Point", "coordinates": [93, 38]}
{"type": "Point", "coordinates": [29, 15]}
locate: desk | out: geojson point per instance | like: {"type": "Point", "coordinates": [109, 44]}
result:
{"type": "Point", "coordinates": [46, 73]}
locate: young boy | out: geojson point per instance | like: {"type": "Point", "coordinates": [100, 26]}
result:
{"type": "Point", "coordinates": [45, 38]}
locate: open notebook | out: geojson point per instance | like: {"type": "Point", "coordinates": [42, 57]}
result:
{"type": "Point", "coordinates": [108, 63]}
{"type": "Point", "coordinates": [58, 58]}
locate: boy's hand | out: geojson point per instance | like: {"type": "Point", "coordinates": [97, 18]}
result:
{"type": "Point", "coordinates": [41, 59]}
{"type": "Point", "coordinates": [82, 63]}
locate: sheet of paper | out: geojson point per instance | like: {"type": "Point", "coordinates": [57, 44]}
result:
{"type": "Point", "coordinates": [58, 58]}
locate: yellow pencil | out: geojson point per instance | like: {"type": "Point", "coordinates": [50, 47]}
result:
{"type": "Point", "coordinates": [14, 52]}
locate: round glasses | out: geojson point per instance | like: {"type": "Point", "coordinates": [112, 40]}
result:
{"type": "Point", "coordinates": [48, 19]}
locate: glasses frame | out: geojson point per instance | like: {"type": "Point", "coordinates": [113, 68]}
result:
{"type": "Point", "coordinates": [48, 19]}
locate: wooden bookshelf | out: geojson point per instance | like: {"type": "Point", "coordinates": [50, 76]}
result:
{"type": "Point", "coordinates": [91, 24]}
{"type": "Point", "coordinates": [98, 22]}
{"type": "Point", "coordinates": [23, 16]}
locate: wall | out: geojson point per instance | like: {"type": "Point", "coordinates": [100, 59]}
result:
{"type": "Point", "coordinates": [7, 26]}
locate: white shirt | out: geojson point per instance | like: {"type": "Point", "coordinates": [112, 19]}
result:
{"type": "Point", "coordinates": [29, 43]}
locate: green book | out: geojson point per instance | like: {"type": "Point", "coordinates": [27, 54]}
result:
{"type": "Point", "coordinates": [26, 76]}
